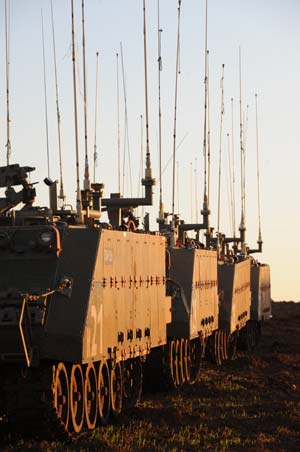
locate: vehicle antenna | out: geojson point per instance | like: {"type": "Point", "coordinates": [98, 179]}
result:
{"type": "Point", "coordinates": [117, 207]}
{"type": "Point", "coordinates": [141, 158]}
{"type": "Point", "coordinates": [246, 117]}
{"type": "Point", "coordinates": [242, 227]}
{"type": "Point", "coordinates": [86, 183]}
{"type": "Point", "coordinates": [96, 111]}
{"type": "Point", "coordinates": [159, 32]}
{"type": "Point", "coordinates": [148, 170]}
{"type": "Point", "coordinates": [178, 146]}
{"type": "Point", "coordinates": [258, 177]}
{"type": "Point", "coordinates": [78, 192]}
{"type": "Point", "coordinates": [118, 125]}
{"type": "Point", "coordinates": [191, 191]}
{"type": "Point", "coordinates": [175, 109]}
{"type": "Point", "coordinates": [233, 170]}
{"type": "Point", "coordinates": [206, 139]}
{"type": "Point", "coordinates": [45, 97]}
{"type": "Point", "coordinates": [61, 189]}
{"type": "Point", "coordinates": [196, 190]}
{"type": "Point", "coordinates": [230, 191]}
{"type": "Point", "coordinates": [208, 129]}
{"type": "Point", "coordinates": [126, 131]}
{"type": "Point", "coordinates": [205, 110]}
{"type": "Point", "coordinates": [220, 158]}
{"type": "Point", "coordinates": [7, 53]}
{"type": "Point", "coordinates": [178, 185]}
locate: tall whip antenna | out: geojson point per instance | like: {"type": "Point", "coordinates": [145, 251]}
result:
{"type": "Point", "coordinates": [206, 139]}
{"type": "Point", "coordinates": [178, 185]}
{"type": "Point", "coordinates": [7, 53]}
{"type": "Point", "coordinates": [96, 112]}
{"type": "Point", "coordinates": [118, 125]}
{"type": "Point", "coordinates": [61, 188]}
{"type": "Point", "coordinates": [208, 130]}
{"type": "Point", "coordinates": [233, 170]}
{"type": "Point", "coordinates": [242, 227]}
{"type": "Point", "coordinates": [191, 191]}
{"type": "Point", "coordinates": [126, 128]}
{"type": "Point", "coordinates": [220, 157]}
{"type": "Point", "coordinates": [141, 156]}
{"type": "Point", "coordinates": [45, 96]}
{"type": "Point", "coordinates": [78, 192]}
{"type": "Point", "coordinates": [230, 188]}
{"type": "Point", "coordinates": [246, 115]}
{"type": "Point", "coordinates": [258, 175]}
{"type": "Point", "coordinates": [148, 171]}
{"type": "Point", "coordinates": [196, 190]}
{"type": "Point", "coordinates": [205, 110]}
{"type": "Point", "coordinates": [86, 183]}
{"type": "Point", "coordinates": [175, 109]}
{"type": "Point", "coordinates": [159, 31]}
{"type": "Point", "coordinates": [141, 160]}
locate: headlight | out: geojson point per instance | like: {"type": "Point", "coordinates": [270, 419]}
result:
{"type": "Point", "coordinates": [46, 238]}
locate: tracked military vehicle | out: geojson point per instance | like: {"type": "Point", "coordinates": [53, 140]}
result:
{"type": "Point", "coordinates": [261, 302]}
{"type": "Point", "coordinates": [261, 292]}
{"type": "Point", "coordinates": [235, 302]}
{"type": "Point", "coordinates": [193, 284]}
{"type": "Point", "coordinates": [81, 306]}
{"type": "Point", "coordinates": [243, 278]}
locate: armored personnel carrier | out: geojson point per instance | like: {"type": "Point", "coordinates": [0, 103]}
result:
{"type": "Point", "coordinates": [192, 282]}
{"type": "Point", "coordinates": [261, 302]}
{"type": "Point", "coordinates": [235, 302]}
{"type": "Point", "coordinates": [261, 292]}
{"type": "Point", "coordinates": [81, 306]}
{"type": "Point", "coordinates": [242, 277]}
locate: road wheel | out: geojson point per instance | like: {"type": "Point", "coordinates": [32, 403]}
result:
{"type": "Point", "coordinates": [103, 392]}
{"type": "Point", "coordinates": [77, 397]}
{"type": "Point", "coordinates": [116, 390]}
{"type": "Point", "coordinates": [90, 396]}
{"type": "Point", "coordinates": [60, 389]}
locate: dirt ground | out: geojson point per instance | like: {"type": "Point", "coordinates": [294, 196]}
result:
{"type": "Point", "coordinates": [249, 404]}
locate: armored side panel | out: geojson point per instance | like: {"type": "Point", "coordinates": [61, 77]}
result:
{"type": "Point", "coordinates": [261, 293]}
{"type": "Point", "coordinates": [129, 281]}
{"type": "Point", "coordinates": [193, 276]}
{"type": "Point", "coordinates": [116, 305]}
{"type": "Point", "coordinates": [235, 295]}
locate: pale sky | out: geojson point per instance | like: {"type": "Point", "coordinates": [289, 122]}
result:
{"type": "Point", "coordinates": [269, 35]}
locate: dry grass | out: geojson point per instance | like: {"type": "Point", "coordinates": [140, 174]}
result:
{"type": "Point", "coordinates": [250, 404]}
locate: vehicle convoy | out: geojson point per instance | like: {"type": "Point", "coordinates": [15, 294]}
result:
{"type": "Point", "coordinates": [83, 305]}
{"type": "Point", "coordinates": [88, 308]}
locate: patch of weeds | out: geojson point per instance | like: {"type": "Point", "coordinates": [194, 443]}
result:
{"type": "Point", "coordinates": [265, 438]}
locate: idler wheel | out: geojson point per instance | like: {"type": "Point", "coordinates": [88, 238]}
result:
{"type": "Point", "coordinates": [103, 392]}
{"type": "Point", "coordinates": [77, 397]}
{"type": "Point", "coordinates": [60, 390]}
{"type": "Point", "coordinates": [90, 396]}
